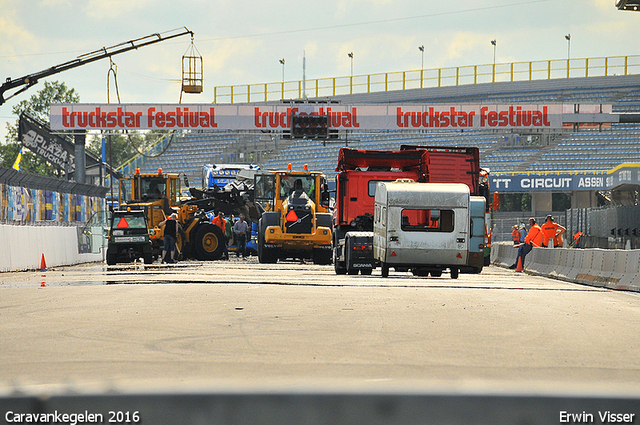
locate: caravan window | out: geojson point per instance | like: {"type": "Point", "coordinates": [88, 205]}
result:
{"type": "Point", "coordinates": [420, 220]}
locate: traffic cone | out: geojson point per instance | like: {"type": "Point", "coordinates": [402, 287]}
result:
{"type": "Point", "coordinates": [43, 263]}
{"type": "Point", "coordinates": [519, 267]}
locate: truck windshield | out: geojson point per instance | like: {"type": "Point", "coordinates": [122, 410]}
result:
{"type": "Point", "coordinates": [129, 221]}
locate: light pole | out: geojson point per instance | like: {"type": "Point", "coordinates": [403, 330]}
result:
{"type": "Point", "coordinates": [568, 38]}
{"type": "Point", "coordinates": [350, 54]}
{"type": "Point", "coordinates": [421, 48]}
{"type": "Point", "coordinates": [493, 43]}
{"type": "Point", "coordinates": [282, 62]}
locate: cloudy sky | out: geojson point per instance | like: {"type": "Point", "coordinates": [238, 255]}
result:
{"type": "Point", "coordinates": [241, 42]}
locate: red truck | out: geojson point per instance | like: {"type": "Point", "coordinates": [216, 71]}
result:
{"type": "Point", "coordinates": [358, 173]}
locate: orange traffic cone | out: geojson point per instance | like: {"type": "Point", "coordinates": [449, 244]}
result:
{"type": "Point", "coordinates": [519, 267]}
{"type": "Point", "coordinates": [43, 263]}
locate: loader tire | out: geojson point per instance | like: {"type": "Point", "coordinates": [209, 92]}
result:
{"type": "Point", "coordinates": [265, 255]}
{"type": "Point", "coordinates": [209, 242]}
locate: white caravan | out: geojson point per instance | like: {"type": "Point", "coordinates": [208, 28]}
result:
{"type": "Point", "coordinates": [426, 227]}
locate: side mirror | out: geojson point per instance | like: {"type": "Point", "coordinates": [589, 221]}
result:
{"type": "Point", "coordinates": [325, 198]}
{"type": "Point", "coordinates": [186, 181]}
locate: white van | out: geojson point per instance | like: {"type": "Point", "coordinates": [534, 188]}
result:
{"type": "Point", "coordinates": [423, 227]}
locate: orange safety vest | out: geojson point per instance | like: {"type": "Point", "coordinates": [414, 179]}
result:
{"type": "Point", "coordinates": [549, 229]}
{"type": "Point", "coordinates": [534, 237]}
{"type": "Point", "coordinates": [558, 240]}
{"type": "Point", "coordinates": [515, 234]}
{"type": "Point", "coordinates": [218, 222]}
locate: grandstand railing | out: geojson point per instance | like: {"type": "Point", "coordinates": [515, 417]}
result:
{"type": "Point", "coordinates": [425, 78]}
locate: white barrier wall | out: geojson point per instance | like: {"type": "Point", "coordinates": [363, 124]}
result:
{"type": "Point", "coordinates": [21, 247]}
{"type": "Point", "coordinates": [610, 268]}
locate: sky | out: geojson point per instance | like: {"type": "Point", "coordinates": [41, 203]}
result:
{"type": "Point", "coordinates": [242, 41]}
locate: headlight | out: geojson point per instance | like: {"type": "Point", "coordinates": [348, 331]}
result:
{"type": "Point", "coordinates": [118, 233]}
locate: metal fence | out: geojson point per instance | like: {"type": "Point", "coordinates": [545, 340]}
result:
{"type": "Point", "coordinates": [28, 198]}
{"type": "Point", "coordinates": [606, 227]}
{"type": "Point", "coordinates": [428, 78]}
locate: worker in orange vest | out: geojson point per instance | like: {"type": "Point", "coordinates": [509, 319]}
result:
{"type": "Point", "coordinates": [222, 224]}
{"type": "Point", "coordinates": [552, 230]}
{"type": "Point", "coordinates": [533, 238]}
{"type": "Point", "coordinates": [515, 234]}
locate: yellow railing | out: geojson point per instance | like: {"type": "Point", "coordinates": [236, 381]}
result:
{"type": "Point", "coordinates": [425, 78]}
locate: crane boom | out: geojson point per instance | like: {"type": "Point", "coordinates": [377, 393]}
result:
{"type": "Point", "coordinates": [105, 52]}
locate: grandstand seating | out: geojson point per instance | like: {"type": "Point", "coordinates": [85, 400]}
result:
{"type": "Point", "coordinates": [585, 149]}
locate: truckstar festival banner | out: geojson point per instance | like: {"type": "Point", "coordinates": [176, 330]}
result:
{"type": "Point", "coordinates": [77, 116]}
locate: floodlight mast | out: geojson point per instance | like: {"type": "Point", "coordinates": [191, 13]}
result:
{"type": "Point", "coordinates": [105, 52]}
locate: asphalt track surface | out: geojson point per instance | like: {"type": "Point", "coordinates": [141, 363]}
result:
{"type": "Point", "coordinates": [241, 324]}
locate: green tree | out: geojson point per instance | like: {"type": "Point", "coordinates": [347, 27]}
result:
{"type": "Point", "coordinates": [38, 107]}
{"type": "Point", "coordinates": [125, 146]}
{"type": "Point", "coordinates": [515, 202]}
{"type": "Point", "coordinates": [119, 148]}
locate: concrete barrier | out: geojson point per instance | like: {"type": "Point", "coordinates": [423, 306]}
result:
{"type": "Point", "coordinates": [630, 279]}
{"type": "Point", "coordinates": [22, 247]}
{"type": "Point", "coordinates": [570, 270]}
{"type": "Point", "coordinates": [503, 254]}
{"type": "Point", "coordinates": [560, 264]}
{"type": "Point", "coordinates": [609, 268]}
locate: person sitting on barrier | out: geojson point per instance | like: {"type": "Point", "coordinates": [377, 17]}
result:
{"type": "Point", "coordinates": [523, 232]}
{"type": "Point", "coordinates": [533, 238]}
{"type": "Point", "coordinates": [552, 230]}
